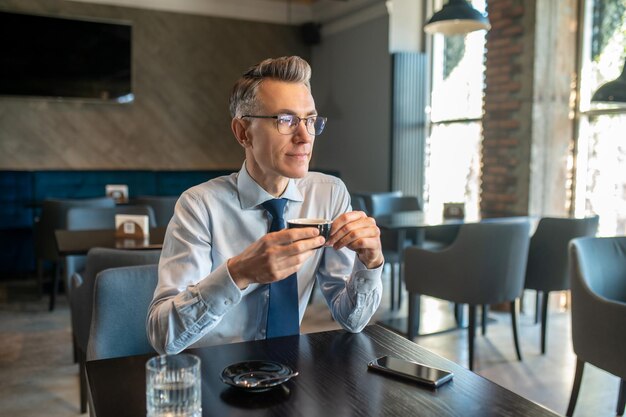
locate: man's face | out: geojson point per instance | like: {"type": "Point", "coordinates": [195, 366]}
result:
{"type": "Point", "coordinates": [273, 157]}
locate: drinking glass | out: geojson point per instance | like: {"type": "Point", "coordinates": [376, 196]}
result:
{"type": "Point", "coordinates": [173, 386]}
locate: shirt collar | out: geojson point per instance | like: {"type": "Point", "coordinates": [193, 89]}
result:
{"type": "Point", "coordinates": [252, 194]}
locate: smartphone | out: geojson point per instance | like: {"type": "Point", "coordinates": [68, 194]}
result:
{"type": "Point", "coordinates": [413, 371]}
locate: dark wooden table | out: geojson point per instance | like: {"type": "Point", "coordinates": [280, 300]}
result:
{"type": "Point", "coordinates": [334, 381]}
{"type": "Point", "coordinates": [78, 242]}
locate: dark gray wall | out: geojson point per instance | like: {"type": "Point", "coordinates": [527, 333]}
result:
{"type": "Point", "coordinates": [183, 69]}
{"type": "Point", "coordinates": [352, 86]}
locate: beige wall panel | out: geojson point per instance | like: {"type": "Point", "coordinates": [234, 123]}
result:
{"type": "Point", "coordinates": [183, 69]}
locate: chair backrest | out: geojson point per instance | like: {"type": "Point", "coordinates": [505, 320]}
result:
{"type": "Point", "coordinates": [548, 266]}
{"type": "Point", "coordinates": [99, 259]}
{"type": "Point", "coordinates": [163, 207]}
{"type": "Point", "coordinates": [484, 265]}
{"type": "Point", "coordinates": [388, 204]}
{"type": "Point", "coordinates": [358, 203]}
{"type": "Point", "coordinates": [598, 278]}
{"type": "Point", "coordinates": [121, 300]}
{"type": "Point", "coordinates": [368, 196]}
{"type": "Point", "coordinates": [54, 216]}
{"type": "Point", "coordinates": [91, 218]}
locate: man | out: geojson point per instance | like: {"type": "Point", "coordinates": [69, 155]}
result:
{"type": "Point", "coordinates": [222, 277]}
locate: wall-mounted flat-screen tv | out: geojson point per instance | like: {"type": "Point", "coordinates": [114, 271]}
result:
{"type": "Point", "coordinates": [53, 57]}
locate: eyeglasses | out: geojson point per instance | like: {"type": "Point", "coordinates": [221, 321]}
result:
{"type": "Point", "coordinates": [286, 124]}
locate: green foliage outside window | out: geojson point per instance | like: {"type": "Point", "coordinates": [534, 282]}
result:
{"type": "Point", "coordinates": [454, 49]}
{"type": "Point", "coordinates": [608, 16]}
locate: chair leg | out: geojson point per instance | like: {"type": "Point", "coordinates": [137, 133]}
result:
{"type": "Point", "coordinates": [74, 348]}
{"type": "Point", "coordinates": [538, 296]}
{"type": "Point", "coordinates": [483, 318]}
{"type": "Point", "coordinates": [55, 285]}
{"type": "Point", "coordinates": [472, 334]}
{"type": "Point", "coordinates": [392, 287]}
{"type": "Point", "coordinates": [414, 316]}
{"type": "Point", "coordinates": [514, 316]}
{"type": "Point", "coordinates": [40, 268]}
{"type": "Point", "coordinates": [459, 314]}
{"type": "Point", "coordinates": [400, 285]}
{"type": "Point", "coordinates": [544, 320]}
{"type": "Point", "coordinates": [83, 381]}
{"type": "Point", "coordinates": [621, 398]}
{"type": "Point", "coordinates": [578, 377]}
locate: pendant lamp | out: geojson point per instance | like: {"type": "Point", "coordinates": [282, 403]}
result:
{"type": "Point", "coordinates": [613, 91]}
{"type": "Point", "coordinates": [455, 18]}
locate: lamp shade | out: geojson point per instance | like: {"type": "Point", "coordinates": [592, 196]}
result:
{"type": "Point", "coordinates": [613, 91]}
{"type": "Point", "coordinates": [455, 18]}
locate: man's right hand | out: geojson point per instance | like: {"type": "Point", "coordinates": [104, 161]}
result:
{"type": "Point", "coordinates": [275, 256]}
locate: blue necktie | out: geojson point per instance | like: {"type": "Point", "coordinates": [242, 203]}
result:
{"type": "Point", "coordinates": [283, 318]}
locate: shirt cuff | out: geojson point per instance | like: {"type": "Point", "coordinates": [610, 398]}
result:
{"type": "Point", "coordinates": [365, 280]}
{"type": "Point", "coordinates": [218, 291]}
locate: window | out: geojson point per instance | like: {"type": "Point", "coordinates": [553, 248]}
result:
{"type": "Point", "coordinates": [600, 182]}
{"type": "Point", "coordinates": [453, 146]}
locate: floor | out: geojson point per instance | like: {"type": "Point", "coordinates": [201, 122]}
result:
{"type": "Point", "coordinates": [37, 374]}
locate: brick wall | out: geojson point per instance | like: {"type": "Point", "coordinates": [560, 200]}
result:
{"type": "Point", "coordinates": [504, 153]}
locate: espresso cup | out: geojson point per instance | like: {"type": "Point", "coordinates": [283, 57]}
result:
{"type": "Point", "coordinates": [322, 225]}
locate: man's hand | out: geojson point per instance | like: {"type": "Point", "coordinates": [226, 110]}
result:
{"type": "Point", "coordinates": [275, 256]}
{"type": "Point", "coordinates": [359, 233]}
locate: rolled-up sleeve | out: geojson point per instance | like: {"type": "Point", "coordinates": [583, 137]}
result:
{"type": "Point", "coordinates": [190, 298]}
{"type": "Point", "coordinates": [353, 298]}
{"type": "Point", "coordinates": [352, 292]}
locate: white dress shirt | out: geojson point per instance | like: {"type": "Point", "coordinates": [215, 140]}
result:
{"type": "Point", "coordinates": [196, 303]}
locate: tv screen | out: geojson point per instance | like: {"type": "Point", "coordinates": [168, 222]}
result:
{"type": "Point", "coordinates": [43, 56]}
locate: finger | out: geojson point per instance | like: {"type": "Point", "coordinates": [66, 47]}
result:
{"type": "Point", "coordinates": [275, 254]}
{"type": "Point", "coordinates": [355, 234]}
{"type": "Point", "coordinates": [283, 267]}
{"type": "Point", "coordinates": [286, 236]}
{"type": "Point", "coordinates": [346, 218]}
{"type": "Point", "coordinates": [339, 224]}
{"type": "Point", "coordinates": [351, 227]}
{"type": "Point", "coordinates": [364, 244]}
{"type": "Point", "coordinates": [303, 245]}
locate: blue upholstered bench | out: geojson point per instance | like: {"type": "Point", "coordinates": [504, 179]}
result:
{"type": "Point", "coordinates": [21, 192]}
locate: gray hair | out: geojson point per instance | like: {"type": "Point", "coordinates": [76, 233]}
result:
{"type": "Point", "coordinates": [287, 68]}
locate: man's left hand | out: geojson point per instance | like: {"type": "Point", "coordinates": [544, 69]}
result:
{"type": "Point", "coordinates": [358, 232]}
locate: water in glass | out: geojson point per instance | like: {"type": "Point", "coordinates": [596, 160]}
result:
{"type": "Point", "coordinates": [173, 386]}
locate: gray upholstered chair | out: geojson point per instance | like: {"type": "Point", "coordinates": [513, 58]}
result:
{"type": "Point", "coordinates": [121, 300]}
{"type": "Point", "coordinates": [92, 218]}
{"type": "Point", "coordinates": [369, 196]}
{"type": "Point", "coordinates": [389, 203]}
{"type": "Point", "coordinates": [163, 207]}
{"type": "Point", "coordinates": [484, 265]}
{"type": "Point", "coordinates": [548, 267]}
{"type": "Point", "coordinates": [81, 296]}
{"type": "Point", "coordinates": [598, 285]}
{"type": "Point", "coordinates": [53, 217]}
{"type": "Point", "coordinates": [358, 203]}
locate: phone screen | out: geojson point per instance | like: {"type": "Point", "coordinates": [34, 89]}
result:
{"type": "Point", "coordinates": [412, 370]}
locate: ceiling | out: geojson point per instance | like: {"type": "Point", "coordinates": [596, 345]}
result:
{"type": "Point", "coordinates": [273, 11]}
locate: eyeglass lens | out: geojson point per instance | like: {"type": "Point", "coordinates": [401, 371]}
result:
{"type": "Point", "coordinates": [288, 123]}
